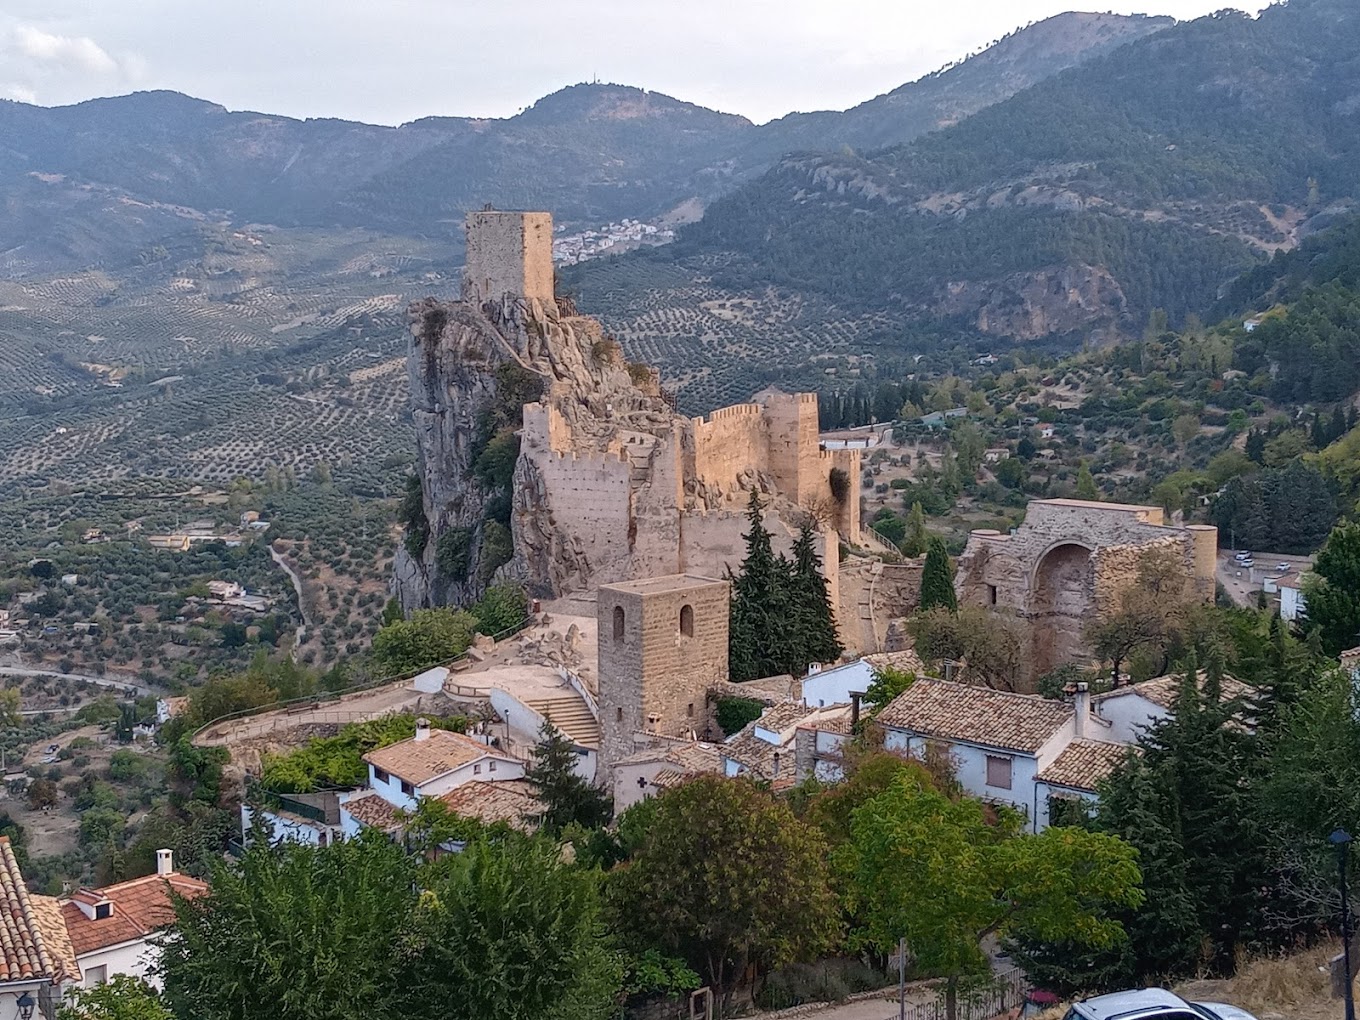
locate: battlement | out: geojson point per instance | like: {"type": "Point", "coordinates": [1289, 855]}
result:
{"type": "Point", "coordinates": [735, 411]}
{"type": "Point", "coordinates": [508, 253]}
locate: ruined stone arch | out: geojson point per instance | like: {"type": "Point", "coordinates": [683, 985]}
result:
{"type": "Point", "coordinates": [1061, 600]}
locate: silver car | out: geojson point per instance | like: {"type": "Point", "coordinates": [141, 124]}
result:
{"type": "Point", "coordinates": [1152, 1004]}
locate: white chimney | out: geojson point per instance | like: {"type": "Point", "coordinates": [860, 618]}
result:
{"type": "Point", "coordinates": [165, 862]}
{"type": "Point", "coordinates": [422, 729]}
{"type": "Point", "coordinates": [1081, 705]}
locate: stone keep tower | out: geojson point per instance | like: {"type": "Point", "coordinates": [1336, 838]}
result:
{"type": "Point", "coordinates": [508, 253]}
{"type": "Point", "coordinates": [663, 644]}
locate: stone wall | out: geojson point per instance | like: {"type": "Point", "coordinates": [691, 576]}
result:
{"type": "Point", "coordinates": [663, 644]}
{"type": "Point", "coordinates": [793, 457]}
{"type": "Point", "coordinates": [508, 253]}
{"type": "Point", "coordinates": [729, 449]}
{"type": "Point", "coordinates": [1068, 563]}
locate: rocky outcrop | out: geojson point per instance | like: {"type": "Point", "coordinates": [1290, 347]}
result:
{"type": "Point", "coordinates": [1048, 302]}
{"type": "Point", "coordinates": [471, 371]}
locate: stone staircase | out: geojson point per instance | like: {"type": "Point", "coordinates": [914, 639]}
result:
{"type": "Point", "coordinates": [571, 716]}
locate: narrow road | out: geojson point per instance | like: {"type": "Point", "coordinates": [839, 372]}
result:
{"type": "Point", "coordinates": [126, 686]}
{"type": "Point", "coordinates": [300, 634]}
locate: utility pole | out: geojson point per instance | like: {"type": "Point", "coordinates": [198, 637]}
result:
{"type": "Point", "coordinates": [902, 980]}
{"type": "Point", "coordinates": [1341, 839]}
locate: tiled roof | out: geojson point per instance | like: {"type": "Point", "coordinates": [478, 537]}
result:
{"type": "Point", "coordinates": [513, 801]}
{"type": "Point", "coordinates": [979, 715]}
{"type": "Point", "coordinates": [23, 950]}
{"type": "Point", "coordinates": [781, 717]}
{"type": "Point", "coordinates": [906, 660]}
{"type": "Point", "coordinates": [689, 755]}
{"type": "Point", "coordinates": [1350, 658]}
{"type": "Point", "coordinates": [419, 761]}
{"type": "Point", "coordinates": [52, 924]}
{"type": "Point", "coordinates": [139, 907]}
{"type": "Point", "coordinates": [757, 754]}
{"type": "Point", "coordinates": [372, 811]}
{"type": "Point", "coordinates": [1084, 763]}
{"type": "Point", "coordinates": [1162, 690]}
{"type": "Point", "coordinates": [667, 778]}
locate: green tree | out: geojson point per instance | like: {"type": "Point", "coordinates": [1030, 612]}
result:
{"type": "Point", "coordinates": [10, 705]}
{"type": "Point", "coordinates": [937, 579]}
{"type": "Point", "coordinates": [733, 713]}
{"type": "Point", "coordinates": [885, 684]}
{"type": "Point", "coordinates": [937, 873]}
{"type": "Point", "coordinates": [759, 633]}
{"type": "Point", "coordinates": [992, 648]}
{"type": "Point", "coordinates": [507, 930]}
{"type": "Point", "coordinates": [726, 878]}
{"type": "Point", "coordinates": [568, 798]}
{"type": "Point", "coordinates": [122, 997]}
{"type": "Point", "coordinates": [429, 637]}
{"type": "Point", "coordinates": [1334, 597]}
{"type": "Point", "coordinates": [1086, 483]}
{"type": "Point", "coordinates": [915, 541]}
{"type": "Point", "coordinates": [296, 931]}
{"type": "Point", "coordinates": [813, 622]}
{"type": "Point", "coordinates": [501, 608]}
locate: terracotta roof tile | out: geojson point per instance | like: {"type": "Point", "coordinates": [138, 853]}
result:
{"type": "Point", "coordinates": [690, 755]}
{"type": "Point", "coordinates": [979, 715]}
{"type": "Point", "coordinates": [906, 660]}
{"type": "Point", "coordinates": [372, 811]}
{"type": "Point", "coordinates": [23, 950]}
{"type": "Point", "coordinates": [419, 761]}
{"type": "Point", "coordinates": [140, 907]}
{"type": "Point", "coordinates": [1084, 763]}
{"type": "Point", "coordinates": [1162, 690]}
{"type": "Point", "coordinates": [47, 913]}
{"type": "Point", "coordinates": [513, 801]}
{"type": "Point", "coordinates": [1350, 658]}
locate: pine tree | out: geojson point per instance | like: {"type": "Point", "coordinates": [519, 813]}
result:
{"type": "Point", "coordinates": [814, 623]}
{"type": "Point", "coordinates": [937, 579]}
{"type": "Point", "coordinates": [1086, 483]}
{"type": "Point", "coordinates": [568, 798]}
{"type": "Point", "coordinates": [1256, 446]}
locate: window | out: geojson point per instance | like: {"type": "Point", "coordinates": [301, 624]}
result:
{"type": "Point", "coordinates": [408, 789]}
{"type": "Point", "coordinates": [477, 770]}
{"type": "Point", "coordinates": [689, 710]}
{"type": "Point", "coordinates": [991, 594]}
{"type": "Point", "coordinates": [491, 766]}
{"type": "Point", "coordinates": [618, 715]}
{"type": "Point", "coordinates": [379, 776]}
{"type": "Point", "coordinates": [103, 910]}
{"type": "Point", "coordinates": [618, 623]}
{"type": "Point", "coordinates": [96, 975]}
{"type": "Point", "coordinates": [998, 772]}
{"type": "Point", "coordinates": [687, 621]}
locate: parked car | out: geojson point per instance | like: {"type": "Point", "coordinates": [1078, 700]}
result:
{"type": "Point", "coordinates": [1284, 568]}
{"type": "Point", "coordinates": [1248, 562]}
{"type": "Point", "coordinates": [1152, 1004]}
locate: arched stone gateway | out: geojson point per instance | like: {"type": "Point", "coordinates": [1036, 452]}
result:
{"type": "Point", "coordinates": [1069, 562]}
{"type": "Point", "coordinates": [1062, 595]}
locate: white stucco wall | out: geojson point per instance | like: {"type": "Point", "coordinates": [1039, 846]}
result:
{"type": "Point", "coordinates": [1292, 604]}
{"type": "Point", "coordinates": [970, 768]}
{"type": "Point", "coordinates": [1044, 791]}
{"type": "Point", "coordinates": [134, 958]}
{"type": "Point", "coordinates": [834, 686]}
{"type": "Point", "coordinates": [1129, 716]}
{"type": "Point", "coordinates": [524, 720]}
{"type": "Point", "coordinates": [489, 769]}
{"type": "Point", "coordinates": [296, 830]}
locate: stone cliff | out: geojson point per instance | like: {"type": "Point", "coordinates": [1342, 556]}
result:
{"type": "Point", "coordinates": [546, 457]}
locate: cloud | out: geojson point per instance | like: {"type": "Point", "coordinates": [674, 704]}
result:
{"type": "Point", "coordinates": [19, 93]}
{"type": "Point", "coordinates": [73, 52]}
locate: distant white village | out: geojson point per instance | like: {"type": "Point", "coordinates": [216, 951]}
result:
{"type": "Point", "coordinates": [611, 239]}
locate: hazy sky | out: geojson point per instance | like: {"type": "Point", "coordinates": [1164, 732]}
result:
{"type": "Point", "coordinates": [390, 61]}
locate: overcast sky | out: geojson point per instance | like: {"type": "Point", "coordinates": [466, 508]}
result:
{"type": "Point", "coordinates": [389, 61]}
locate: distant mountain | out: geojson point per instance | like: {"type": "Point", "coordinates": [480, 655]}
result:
{"type": "Point", "coordinates": [1145, 178]}
{"type": "Point", "coordinates": [101, 182]}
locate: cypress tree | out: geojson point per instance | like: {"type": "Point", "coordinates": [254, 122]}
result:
{"type": "Point", "coordinates": [758, 637]}
{"type": "Point", "coordinates": [937, 578]}
{"type": "Point", "coordinates": [814, 622]}
{"type": "Point", "coordinates": [914, 544]}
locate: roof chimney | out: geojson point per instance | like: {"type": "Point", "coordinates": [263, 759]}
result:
{"type": "Point", "coordinates": [422, 729]}
{"type": "Point", "coordinates": [165, 862]}
{"type": "Point", "coordinates": [1081, 705]}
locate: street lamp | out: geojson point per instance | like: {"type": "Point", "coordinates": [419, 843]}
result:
{"type": "Point", "coordinates": [1341, 839]}
{"type": "Point", "coordinates": [26, 1003]}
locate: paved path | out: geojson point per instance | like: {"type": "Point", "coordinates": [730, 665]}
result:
{"type": "Point", "coordinates": [301, 631]}
{"type": "Point", "coordinates": [126, 686]}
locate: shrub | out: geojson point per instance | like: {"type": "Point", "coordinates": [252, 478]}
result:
{"type": "Point", "coordinates": [735, 712]}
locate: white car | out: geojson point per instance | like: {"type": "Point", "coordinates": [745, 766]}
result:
{"type": "Point", "coordinates": [1284, 568]}
{"type": "Point", "coordinates": [1244, 555]}
{"type": "Point", "coordinates": [1152, 1004]}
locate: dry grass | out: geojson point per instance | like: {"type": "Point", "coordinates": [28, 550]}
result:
{"type": "Point", "coordinates": [1294, 987]}
{"type": "Point", "coordinates": [1297, 987]}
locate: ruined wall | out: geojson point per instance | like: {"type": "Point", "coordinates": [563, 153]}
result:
{"type": "Point", "coordinates": [663, 643]}
{"type": "Point", "coordinates": [508, 253]}
{"type": "Point", "coordinates": [729, 451]}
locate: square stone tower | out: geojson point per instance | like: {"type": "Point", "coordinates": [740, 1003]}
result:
{"type": "Point", "coordinates": [508, 253]}
{"type": "Point", "coordinates": [663, 644]}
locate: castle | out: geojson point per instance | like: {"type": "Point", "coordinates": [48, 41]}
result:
{"type": "Point", "coordinates": [610, 483]}
{"type": "Point", "coordinates": [1068, 563]}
